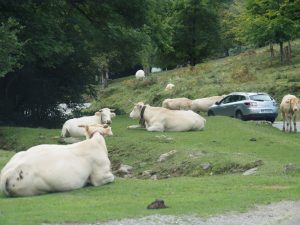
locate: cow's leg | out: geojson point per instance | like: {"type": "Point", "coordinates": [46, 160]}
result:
{"type": "Point", "coordinates": [101, 174]}
{"type": "Point", "coordinates": [156, 127]}
{"type": "Point", "coordinates": [283, 121]}
{"type": "Point", "coordinates": [289, 123]}
{"type": "Point", "coordinates": [134, 127]}
{"type": "Point", "coordinates": [98, 177]}
{"type": "Point", "coordinates": [294, 121]}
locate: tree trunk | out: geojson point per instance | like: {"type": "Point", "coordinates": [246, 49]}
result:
{"type": "Point", "coordinates": [290, 48]}
{"type": "Point", "coordinates": [281, 51]}
{"type": "Point", "coordinates": [271, 53]}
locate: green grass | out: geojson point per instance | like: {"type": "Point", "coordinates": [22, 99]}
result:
{"type": "Point", "coordinates": [225, 143]}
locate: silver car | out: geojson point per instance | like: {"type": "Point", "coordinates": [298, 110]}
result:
{"type": "Point", "coordinates": [246, 106]}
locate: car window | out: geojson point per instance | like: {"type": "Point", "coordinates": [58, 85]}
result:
{"type": "Point", "coordinates": [260, 97]}
{"type": "Point", "coordinates": [235, 98]}
{"type": "Point", "coordinates": [241, 98]}
{"type": "Point", "coordinates": [226, 100]}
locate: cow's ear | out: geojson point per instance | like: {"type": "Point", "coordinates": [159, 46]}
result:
{"type": "Point", "coordinates": [97, 113]}
{"type": "Point", "coordinates": [112, 115]}
{"type": "Point", "coordinates": [112, 110]}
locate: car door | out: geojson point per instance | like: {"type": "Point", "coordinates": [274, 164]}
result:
{"type": "Point", "coordinates": [233, 104]}
{"type": "Point", "coordinates": [222, 108]}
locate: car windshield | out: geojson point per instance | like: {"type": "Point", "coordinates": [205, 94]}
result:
{"type": "Point", "coordinates": [260, 97]}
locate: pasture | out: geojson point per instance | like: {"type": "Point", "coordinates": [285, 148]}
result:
{"type": "Point", "coordinates": [229, 146]}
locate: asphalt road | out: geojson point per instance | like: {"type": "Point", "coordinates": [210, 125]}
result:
{"type": "Point", "coordinates": [279, 124]}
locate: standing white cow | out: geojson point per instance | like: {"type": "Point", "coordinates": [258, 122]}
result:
{"type": "Point", "coordinates": [71, 129]}
{"type": "Point", "coordinates": [55, 168]}
{"type": "Point", "coordinates": [177, 103]}
{"type": "Point", "coordinates": [140, 74]}
{"type": "Point", "coordinates": [202, 104]}
{"type": "Point", "coordinates": [289, 107]}
{"type": "Point", "coordinates": [161, 119]}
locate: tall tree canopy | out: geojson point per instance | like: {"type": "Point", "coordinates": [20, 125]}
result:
{"type": "Point", "coordinates": [196, 30]}
{"type": "Point", "coordinates": [268, 21]}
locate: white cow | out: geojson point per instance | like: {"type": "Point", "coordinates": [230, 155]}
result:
{"type": "Point", "coordinates": [177, 103]}
{"type": "Point", "coordinates": [71, 129]}
{"type": "Point", "coordinates": [161, 119]}
{"type": "Point", "coordinates": [202, 104]}
{"type": "Point", "coordinates": [54, 168]}
{"type": "Point", "coordinates": [140, 74]}
{"type": "Point", "coordinates": [289, 107]}
{"type": "Point", "coordinates": [169, 87]}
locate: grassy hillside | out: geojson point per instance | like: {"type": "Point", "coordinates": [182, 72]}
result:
{"type": "Point", "coordinates": [249, 71]}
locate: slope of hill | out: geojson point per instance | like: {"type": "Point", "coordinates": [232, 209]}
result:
{"type": "Point", "coordinates": [248, 71]}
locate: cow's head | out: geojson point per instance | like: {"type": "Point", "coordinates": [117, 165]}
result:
{"type": "Point", "coordinates": [106, 115]}
{"type": "Point", "coordinates": [294, 104]}
{"type": "Point", "coordinates": [136, 111]}
{"type": "Point", "coordinates": [103, 129]}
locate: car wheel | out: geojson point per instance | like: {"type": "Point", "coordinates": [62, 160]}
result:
{"type": "Point", "coordinates": [239, 115]}
{"type": "Point", "coordinates": [210, 113]}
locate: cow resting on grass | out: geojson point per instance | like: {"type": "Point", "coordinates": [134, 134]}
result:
{"type": "Point", "coordinates": [169, 87]}
{"type": "Point", "coordinates": [140, 74]}
{"type": "Point", "coordinates": [71, 127]}
{"type": "Point", "coordinates": [202, 104]}
{"type": "Point", "coordinates": [161, 119]}
{"type": "Point", "coordinates": [177, 103]}
{"type": "Point", "coordinates": [55, 168]}
{"type": "Point", "coordinates": [289, 107]}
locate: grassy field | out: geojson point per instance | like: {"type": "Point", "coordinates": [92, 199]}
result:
{"type": "Point", "coordinates": [204, 177]}
{"type": "Point", "coordinates": [230, 147]}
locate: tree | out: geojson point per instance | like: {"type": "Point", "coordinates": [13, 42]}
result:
{"type": "Point", "coordinates": [11, 47]}
{"type": "Point", "coordinates": [196, 30]}
{"type": "Point", "coordinates": [268, 22]}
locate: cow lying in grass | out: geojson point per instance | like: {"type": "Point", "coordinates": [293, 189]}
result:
{"type": "Point", "coordinates": [177, 103]}
{"type": "Point", "coordinates": [202, 104]}
{"type": "Point", "coordinates": [161, 119]}
{"type": "Point", "coordinates": [54, 168]}
{"type": "Point", "coordinates": [289, 107]}
{"type": "Point", "coordinates": [71, 127]}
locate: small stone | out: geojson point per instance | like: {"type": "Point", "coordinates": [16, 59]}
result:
{"type": "Point", "coordinates": [124, 170]}
{"type": "Point", "coordinates": [252, 139]}
{"type": "Point", "coordinates": [147, 173]}
{"type": "Point", "coordinates": [153, 177]}
{"type": "Point", "coordinates": [165, 156]}
{"type": "Point", "coordinates": [157, 204]}
{"type": "Point", "coordinates": [250, 171]}
{"type": "Point", "coordinates": [206, 165]}
{"type": "Point", "coordinates": [288, 167]}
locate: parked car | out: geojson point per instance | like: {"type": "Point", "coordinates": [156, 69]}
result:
{"type": "Point", "coordinates": [246, 106]}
